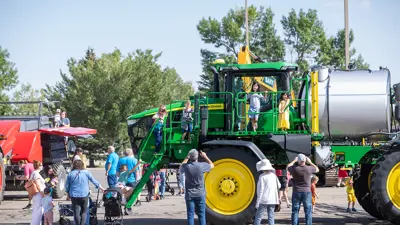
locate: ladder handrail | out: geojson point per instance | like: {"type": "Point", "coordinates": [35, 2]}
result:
{"type": "Point", "coordinates": [143, 144]}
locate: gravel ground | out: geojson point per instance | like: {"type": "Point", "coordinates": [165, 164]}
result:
{"type": "Point", "coordinates": [330, 209]}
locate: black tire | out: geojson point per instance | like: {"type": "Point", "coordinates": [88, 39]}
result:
{"type": "Point", "coordinates": [2, 178]}
{"type": "Point", "coordinates": [362, 192]}
{"type": "Point", "coordinates": [379, 193]}
{"type": "Point", "coordinates": [250, 161]}
{"type": "Point", "coordinates": [59, 191]}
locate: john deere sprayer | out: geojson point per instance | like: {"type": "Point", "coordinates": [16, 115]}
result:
{"type": "Point", "coordinates": [337, 117]}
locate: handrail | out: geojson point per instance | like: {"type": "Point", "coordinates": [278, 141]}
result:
{"type": "Point", "coordinates": [143, 144]}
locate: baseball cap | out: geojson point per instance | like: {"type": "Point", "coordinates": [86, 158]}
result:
{"type": "Point", "coordinates": [193, 155]}
{"type": "Point", "coordinates": [58, 110]}
{"type": "Point", "coordinates": [301, 158]}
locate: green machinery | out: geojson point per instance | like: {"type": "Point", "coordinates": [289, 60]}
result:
{"type": "Point", "coordinates": [336, 118]}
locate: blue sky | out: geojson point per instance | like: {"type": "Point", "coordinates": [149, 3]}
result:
{"type": "Point", "coordinates": [42, 35]}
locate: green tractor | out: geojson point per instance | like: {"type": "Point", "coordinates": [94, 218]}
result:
{"type": "Point", "coordinates": [337, 116]}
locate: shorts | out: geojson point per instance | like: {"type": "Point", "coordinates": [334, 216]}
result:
{"type": "Point", "coordinates": [351, 197]}
{"type": "Point", "coordinates": [187, 128]}
{"type": "Point", "coordinates": [283, 182]}
{"type": "Point", "coordinates": [253, 113]}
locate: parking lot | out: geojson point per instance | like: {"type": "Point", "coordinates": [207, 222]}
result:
{"type": "Point", "coordinates": [330, 209]}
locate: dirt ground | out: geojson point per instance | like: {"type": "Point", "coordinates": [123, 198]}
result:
{"type": "Point", "coordinates": [330, 209]}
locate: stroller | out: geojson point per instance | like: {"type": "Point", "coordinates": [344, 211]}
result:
{"type": "Point", "coordinates": [168, 186]}
{"type": "Point", "coordinates": [66, 210]}
{"type": "Point", "coordinates": [112, 199]}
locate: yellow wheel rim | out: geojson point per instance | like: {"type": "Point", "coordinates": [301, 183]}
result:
{"type": "Point", "coordinates": [393, 185]}
{"type": "Point", "coordinates": [230, 187]}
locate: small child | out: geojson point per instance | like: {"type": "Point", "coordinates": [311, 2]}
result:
{"type": "Point", "coordinates": [52, 180]}
{"type": "Point", "coordinates": [314, 181]}
{"type": "Point", "coordinates": [48, 205]}
{"type": "Point", "coordinates": [57, 118]}
{"type": "Point", "coordinates": [187, 121]}
{"type": "Point", "coordinates": [351, 197]}
{"type": "Point", "coordinates": [255, 104]}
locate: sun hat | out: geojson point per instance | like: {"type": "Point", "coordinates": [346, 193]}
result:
{"type": "Point", "coordinates": [263, 165]}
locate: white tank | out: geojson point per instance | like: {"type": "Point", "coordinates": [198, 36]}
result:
{"type": "Point", "coordinates": [352, 103]}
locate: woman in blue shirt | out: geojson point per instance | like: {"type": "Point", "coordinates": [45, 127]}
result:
{"type": "Point", "coordinates": [77, 187]}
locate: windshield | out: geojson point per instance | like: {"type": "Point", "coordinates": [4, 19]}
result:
{"type": "Point", "coordinates": [138, 130]}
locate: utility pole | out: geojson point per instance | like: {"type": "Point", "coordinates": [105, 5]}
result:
{"type": "Point", "coordinates": [346, 31]}
{"type": "Point", "coordinates": [247, 24]}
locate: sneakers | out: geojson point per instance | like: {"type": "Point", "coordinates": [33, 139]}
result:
{"type": "Point", "coordinates": [29, 206]}
{"type": "Point", "coordinates": [352, 210]}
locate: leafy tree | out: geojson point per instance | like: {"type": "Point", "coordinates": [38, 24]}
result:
{"type": "Point", "coordinates": [303, 34]}
{"type": "Point", "coordinates": [100, 92]}
{"type": "Point", "coordinates": [332, 52]}
{"type": "Point", "coordinates": [207, 78]}
{"type": "Point", "coordinates": [26, 93]}
{"type": "Point", "coordinates": [229, 34]}
{"type": "Point", "coordinates": [8, 78]}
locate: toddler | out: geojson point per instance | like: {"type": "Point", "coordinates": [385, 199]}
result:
{"type": "Point", "coordinates": [314, 181]}
{"type": "Point", "coordinates": [351, 197]}
{"type": "Point", "coordinates": [48, 205]}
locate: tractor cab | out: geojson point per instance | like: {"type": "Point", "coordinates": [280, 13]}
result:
{"type": "Point", "coordinates": [273, 77]}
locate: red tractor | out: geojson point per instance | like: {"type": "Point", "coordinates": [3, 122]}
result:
{"type": "Point", "coordinates": [34, 138]}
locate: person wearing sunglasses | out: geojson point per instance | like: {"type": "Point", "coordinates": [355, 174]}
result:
{"type": "Point", "coordinates": [158, 123]}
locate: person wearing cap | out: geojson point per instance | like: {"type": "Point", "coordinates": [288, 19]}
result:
{"type": "Point", "coordinates": [301, 176]}
{"type": "Point", "coordinates": [57, 117]}
{"type": "Point", "coordinates": [195, 192]}
{"type": "Point", "coordinates": [268, 186]}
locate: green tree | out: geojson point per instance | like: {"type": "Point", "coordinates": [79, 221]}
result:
{"type": "Point", "coordinates": [207, 77]}
{"type": "Point", "coordinates": [303, 34]}
{"type": "Point", "coordinates": [100, 92]}
{"type": "Point", "coordinates": [8, 78]}
{"type": "Point", "coordinates": [332, 52]}
{"type": "Point", "coordinates": [229, 34]}
{"type": "Point", "coordinates": [26, 93]}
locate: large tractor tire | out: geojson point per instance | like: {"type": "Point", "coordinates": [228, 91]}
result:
{"type": "Point", "coordinates": [385, 188]}
{"type": "Point", "coordinates": [362, 192]}
{"type": "Point", "coordinates": [2, 178]}
{"type": "Point", "coordinates": [231, 186]}
{"type": "Point", "coordinates": [59, 191]}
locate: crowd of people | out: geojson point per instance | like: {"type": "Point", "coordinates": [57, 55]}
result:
{"type": "Point", "coordinates": [124, 173]}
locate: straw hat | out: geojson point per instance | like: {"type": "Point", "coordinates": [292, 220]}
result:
{"type": "Point", "coordinates": [263, 165]}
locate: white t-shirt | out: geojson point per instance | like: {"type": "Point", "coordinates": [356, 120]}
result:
{"type": "Point", "coordinates": [267, 189]}
{"type": "Point", "coordinates": [39, 180]}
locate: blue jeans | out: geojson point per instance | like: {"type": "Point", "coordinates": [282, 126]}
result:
{"type": "Point", "coordinates": [158, 136]}
{"type": "Point", "coordinates": [162, 185]}
{"type": "Point", "coordinates": [297, 199]}
{"type": "Point", "coordinates": [260, 212]}
{"type": "Point", "coordinates": [112, 180]}
{"type": "Point", "coordinates": [197, 204]}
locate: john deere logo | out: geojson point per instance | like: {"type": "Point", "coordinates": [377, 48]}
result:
{"type": "Point", "coordinates": [269, 80]}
